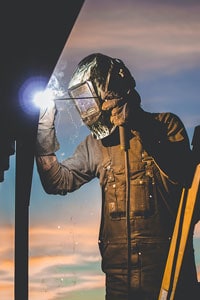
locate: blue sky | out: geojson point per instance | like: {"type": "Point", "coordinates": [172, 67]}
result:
{"type": "Point", "coordinates": [159, 41]}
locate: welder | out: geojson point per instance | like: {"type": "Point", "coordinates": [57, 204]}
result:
{"type": "Point", "coordinates": [142, 160]}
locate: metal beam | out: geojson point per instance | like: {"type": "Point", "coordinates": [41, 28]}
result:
{"type": "Point", "coordinates": [33, 37]}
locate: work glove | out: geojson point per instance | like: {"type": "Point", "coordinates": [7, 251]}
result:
{"type": "Point", "coordinates": [46, 141]}
{"type": "Point", "coordinates": [119, 110]}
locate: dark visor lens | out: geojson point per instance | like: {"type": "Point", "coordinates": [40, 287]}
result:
{"type": "Point", "coordinates": [85, 99]}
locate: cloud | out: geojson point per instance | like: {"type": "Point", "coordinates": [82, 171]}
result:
{"type": "Point", "coordinates": [69, 262]}
{"type": "Point", "coordinates": [6, 263]}
{"type": "Point", "coordinates": [155, 36]}
{"type": "Point", "coordinates": [7, 236]}
{"type": "Point", "coordinates": [66, 286]}
{"type": "Point", "coordinates": [61, 261]}
{"type": "Point", "coordinates": [68, 239]}
{"type": "Point", "coordinates": [6, 290]}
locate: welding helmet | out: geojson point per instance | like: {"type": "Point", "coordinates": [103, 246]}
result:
{"type": "Point", "coordinates": [96, 79]}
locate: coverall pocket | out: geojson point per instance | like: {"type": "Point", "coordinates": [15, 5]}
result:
{"type": "Point", "coordinates": [114, 258]}
{"type": "Point", "coordinates": [142, 198]}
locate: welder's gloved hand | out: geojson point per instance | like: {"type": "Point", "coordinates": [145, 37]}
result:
{"type": "Point", "coordinates": [46, 141]}
{"type": "Point", "coordinates": [119, 110]}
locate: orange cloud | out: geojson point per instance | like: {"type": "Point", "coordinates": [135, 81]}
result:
{"type": "Point", "coordinates": [65, 252]}
{"type": "Point", "coordinates": [6, 290]}
{"type": "Point", "coordinates": [61, 262]}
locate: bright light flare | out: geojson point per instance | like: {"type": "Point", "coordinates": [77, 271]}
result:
{"type": "Point", "coordinates": [43, 99]}
{"type": "Point", "coordinates": [27, 92]}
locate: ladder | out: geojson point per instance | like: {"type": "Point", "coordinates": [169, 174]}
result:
{"type": "Point", "coordinates": [181, 229]}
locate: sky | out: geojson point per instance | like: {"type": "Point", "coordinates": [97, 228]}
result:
{"type": "Point", "coordinates": [159, 41]}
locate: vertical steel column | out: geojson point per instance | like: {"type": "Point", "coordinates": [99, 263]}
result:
{"type": "Point", "coordinates": [24, 171]}
{"type": "Point", "coordinates": [31, 25]}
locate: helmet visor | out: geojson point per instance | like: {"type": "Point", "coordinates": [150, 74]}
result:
{"type": "Point", "coordinates": [88, 105]}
